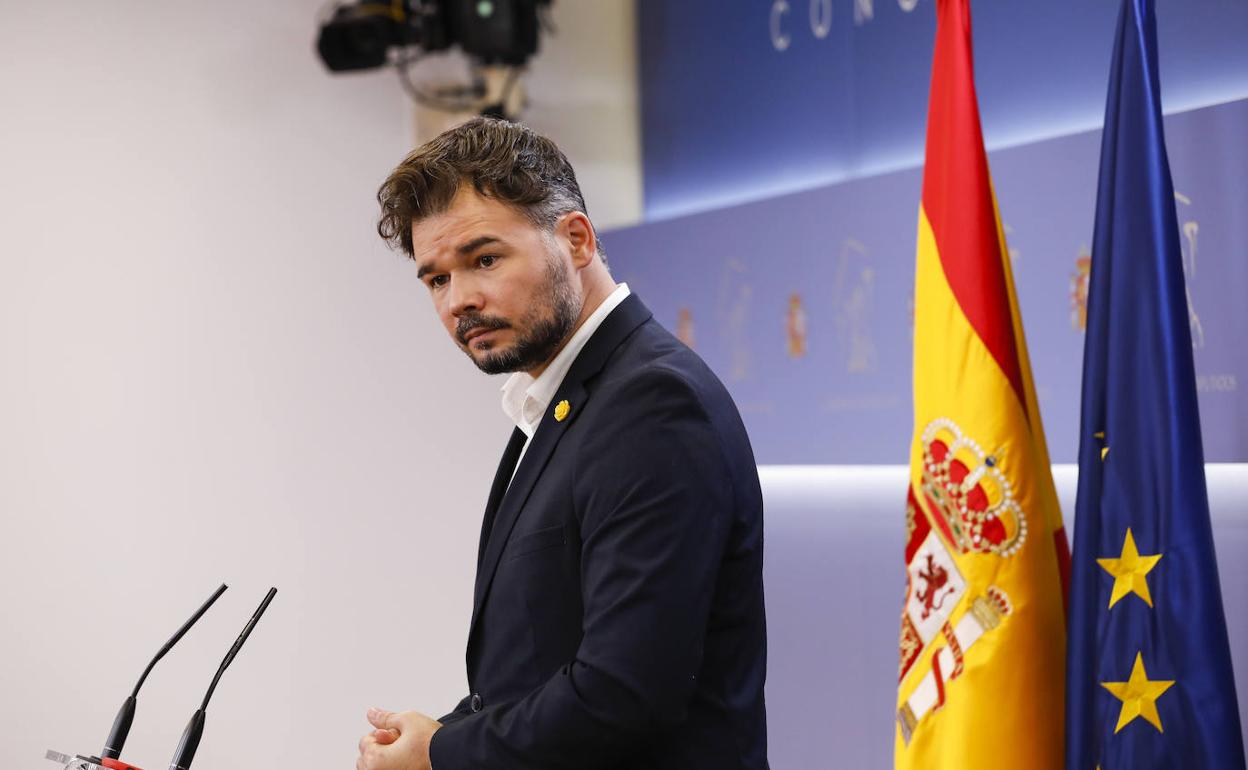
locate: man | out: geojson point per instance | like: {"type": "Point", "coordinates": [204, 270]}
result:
{"type": "Point", "coordinates": [618, 612]}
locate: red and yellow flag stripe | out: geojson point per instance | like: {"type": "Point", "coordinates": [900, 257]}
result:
{"type": "Point", "coordinates": [983, 637]}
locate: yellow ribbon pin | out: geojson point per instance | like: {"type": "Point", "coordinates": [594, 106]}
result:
{"type": "Point", "coordinates": [561, 411]}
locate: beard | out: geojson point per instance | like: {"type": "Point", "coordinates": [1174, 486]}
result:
{"type": "Point", "coordinates": [540, 333]}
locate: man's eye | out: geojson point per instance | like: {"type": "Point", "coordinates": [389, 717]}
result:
{"type": "Point", "coordinates": [437, 281]}
{"type": "Point", "coordinates": [487, 260]}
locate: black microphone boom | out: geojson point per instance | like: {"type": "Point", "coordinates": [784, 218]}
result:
{"type": "Point", "coordinates": [195, 728]}
{"type": "Point", "coordinates": [125, 716]}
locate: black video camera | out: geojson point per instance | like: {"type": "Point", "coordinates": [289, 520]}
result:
{"type": "Point", "coordinates": [361, 35]}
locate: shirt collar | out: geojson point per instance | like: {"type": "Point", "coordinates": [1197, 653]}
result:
{"type": "Point", "coordinates": [525, 398]}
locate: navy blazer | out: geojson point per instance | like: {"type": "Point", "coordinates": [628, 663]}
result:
{"type": "Point", "coordinates": [618, 614]}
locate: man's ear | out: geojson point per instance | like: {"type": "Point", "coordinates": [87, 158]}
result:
{"type": "Point", "coordinates": [577, 230]}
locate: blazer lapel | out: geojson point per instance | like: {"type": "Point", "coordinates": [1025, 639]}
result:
{"type": "Point", "coordinates": [506, 469]}
{"type": "Point", "coordinates": [614, 329]}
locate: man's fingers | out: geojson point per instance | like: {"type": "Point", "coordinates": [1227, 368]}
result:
{"type": "Point", "coordinates": [383, 720]}
{"type": "Point", "coordinates": [370, 747]}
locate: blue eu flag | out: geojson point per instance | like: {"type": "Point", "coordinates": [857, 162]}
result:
{"type": "Point", "coordinates": [1148, 677]}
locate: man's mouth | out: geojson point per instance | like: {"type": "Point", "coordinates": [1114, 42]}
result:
{"type": "Point", "coordinates": [478, 332]}
{"type": "Point", "coordinates": [470, 328]}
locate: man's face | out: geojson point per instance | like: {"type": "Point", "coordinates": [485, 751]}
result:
{"type": "Point", "coordinates": [501, 286]}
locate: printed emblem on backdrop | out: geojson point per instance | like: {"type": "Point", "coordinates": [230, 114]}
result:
{"type": "Point", "coordinates": [1190, 230]}
{"type": "Point", "coordinates": [795, 325]}
{"type": "Point", "coordinates": [853, 305]}
{"type": "Point", "coordinates": [684, 327]}
{"type": "Point", "coordinates": [733, 303]}
{"type": "Point", "coordinates": [864, 11]}
{"type": "Point", "coordinates": [967, 510]}
{"type": "Point", "coordinates": [1079, 290]}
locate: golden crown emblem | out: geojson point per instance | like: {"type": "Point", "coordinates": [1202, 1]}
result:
{"type": "Point", "coordinates": [968, 493]}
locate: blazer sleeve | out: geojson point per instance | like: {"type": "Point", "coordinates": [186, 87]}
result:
{"type": "Point", "coordinates": [461, 710]}
{"type": "Point", "coordinates": [654, 494]}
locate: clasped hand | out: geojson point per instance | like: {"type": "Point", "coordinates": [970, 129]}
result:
{"type": "Point", "coordinates": [399, 742]}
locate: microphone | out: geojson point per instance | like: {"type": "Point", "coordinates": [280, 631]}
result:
{"type": "Point", "coordinates": [116, 740]}
{"type": "Point", "coordinates": [195, 728]}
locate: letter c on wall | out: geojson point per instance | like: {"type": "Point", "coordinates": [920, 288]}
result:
{"type": "Point", "coordinates": [779, 39]}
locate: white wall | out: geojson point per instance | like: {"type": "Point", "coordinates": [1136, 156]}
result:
{"type": "Point", "coordinates": [211, 369]}
{"type": "Point", "coordinates": [582, 91]}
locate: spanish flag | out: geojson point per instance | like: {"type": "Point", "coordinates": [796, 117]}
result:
{"type": "Point", "coordinates": [983, 637]}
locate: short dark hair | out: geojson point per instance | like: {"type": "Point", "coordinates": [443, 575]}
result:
{"type": "Point", "coordinates": [503, 160]}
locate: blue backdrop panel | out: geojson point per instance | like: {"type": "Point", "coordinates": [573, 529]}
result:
{"type": "Point", "coordinates": [803, 303]}
{"type": "Point", "coordinates": [745, 100]}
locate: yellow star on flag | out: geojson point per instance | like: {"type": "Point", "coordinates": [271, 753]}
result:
{"type": "Point", "coordinates": [1129, 571]}
{"type": "Point", "coordinates": [1138, 695]}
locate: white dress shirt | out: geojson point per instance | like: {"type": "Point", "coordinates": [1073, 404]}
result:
{"type": "Point", "coordinates": [525, 399]}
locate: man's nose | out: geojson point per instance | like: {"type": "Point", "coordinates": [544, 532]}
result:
{"type": "Point", "coordinates": [465, 297]}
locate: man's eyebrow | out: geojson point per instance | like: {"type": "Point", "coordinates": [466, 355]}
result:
{"type": "Point", "coordinates": [463, 250]}
{"type": "Point", "coordinates": [476, 243]}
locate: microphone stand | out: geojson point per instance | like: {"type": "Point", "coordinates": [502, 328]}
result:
{"type": "Point", "coordinates": [109, 758]}
{"type": "Point", "coordinates": [195, 728]}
